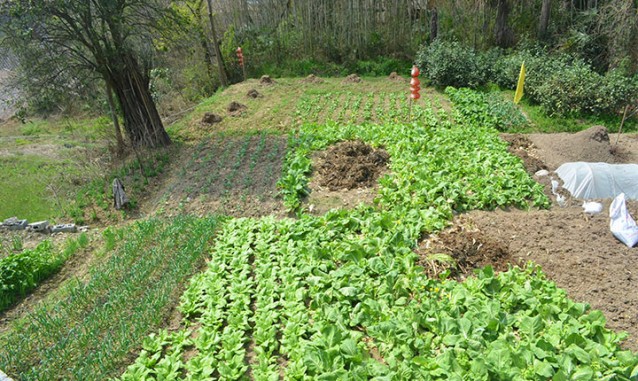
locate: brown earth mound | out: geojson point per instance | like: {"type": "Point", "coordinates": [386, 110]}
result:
{"type": "Point", "coordinates": [591, 145]}
{"type": "Point", "coordinates": [521, 146]}
{"type": "Point", "coordinates": [254, 94]}
{"type": "Point", "coordinates": [210, 118]}
{"type": "Point", "coordinates": [350, 165]}
{"type": "Point", "coordinates": [352, 78]}
{"type": "Point", "coordinates": [395, 77]}
{"type": "Point", "coordinates": [266, 80]}
{"type": "Point", "coordinates": [312, 79]}
{"type": "Point", "coordinates": [468, 250]}
{"type": "Point", "coordinates": [236, 108]}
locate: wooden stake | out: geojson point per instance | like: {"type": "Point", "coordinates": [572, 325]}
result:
{"type": "Point", "coordinates": [622, 122]}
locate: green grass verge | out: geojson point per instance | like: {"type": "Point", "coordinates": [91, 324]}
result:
{"type": "Point", "coordinates": [25, 191]}
{"type": "Point", "coordinates": [87, 332]}
{"type": "Point", "coordinates": [44, 162]}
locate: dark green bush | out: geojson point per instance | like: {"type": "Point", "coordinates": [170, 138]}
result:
{"type": "Point", "coordinates": [577, 89]}
{"type": "Point", "coordinates": [446, 63]}
{"type": "Point", "coordinates": [559, 83]}
{"type": "Point", "coordinates": [506, 67]}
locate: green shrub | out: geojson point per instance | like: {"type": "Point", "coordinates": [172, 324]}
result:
{"type": "Point", "coordinates": [506, 68]}
{"type": "Point", "coordinates": [560, 84]}
{"type": "Point", "coordinates": [577, 89]}
{"type": "Point", "coordinates": [380, 67]}
{"type": "Point", "coordinates": [451, 64]}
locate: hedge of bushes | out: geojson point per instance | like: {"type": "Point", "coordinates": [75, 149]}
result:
{"type": "Point", "coordinates": [562, 85]}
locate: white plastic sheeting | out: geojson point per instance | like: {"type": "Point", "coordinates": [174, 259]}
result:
{"type": "Point", "coordinates": [599, 180]}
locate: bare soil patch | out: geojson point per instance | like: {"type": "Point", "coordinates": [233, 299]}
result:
{"type": "Point", "coordinates": [236, 108]}
{"type": "Point", "coordinates": [254, 94]}
{"type": "Point", "coordinates": [352, 78]}
{"type": "Point", "coordinates": [469, 248]}
{"type": "Point", "coordinates": [45, 150]}
{"type": "Point", "coordinates": [350, 165]}
{"type": "Point", "coordinates": [577, 252]}
{"type": "Point", "coordinates": [396, 77]}
{"type": "Point", "coordinates": [522, 146]}
{"type": "Point", "coordinates": [345, 175]}
{"type": "Point", "coordinates": [592, 145]}
{"type": "Point", "coordinates": [211, 118]}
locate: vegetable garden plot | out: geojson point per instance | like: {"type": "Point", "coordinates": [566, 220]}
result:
{"type": "Point", "coordinates": [221, 165]}
{"type": "Point", "coordinates": [340, 296]}
{"type": "Point", "coordinates": [230, 175]}
{"type": "Point", "coordinates": [90, 328]}
{"type": "Point", "coordinates": [358, 107]}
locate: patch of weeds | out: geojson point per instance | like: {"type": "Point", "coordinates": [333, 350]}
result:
{"type": "Point", "coordinates": [32, 129]}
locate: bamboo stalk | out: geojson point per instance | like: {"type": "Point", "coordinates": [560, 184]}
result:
{"type": "Point", "coordinates": [622, 122]}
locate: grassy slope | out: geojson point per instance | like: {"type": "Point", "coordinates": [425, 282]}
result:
{"type": "Point", "coordinates": [43, 162]}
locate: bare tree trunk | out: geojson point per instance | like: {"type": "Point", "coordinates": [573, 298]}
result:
{"type": "Point", "coordinates": [544, 21]}
{"type": "Point", "coordinates": [503, 34]}
{"type": "Point", "coordinates": [434, 24]}
{"type": "Point", "coordinates": [141, 120]}
{"type": "Point", "coordinates": [116, 122]}
{"type": "Point", "coordinates": [220, 61]}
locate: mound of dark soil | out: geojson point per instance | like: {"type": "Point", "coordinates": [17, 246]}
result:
{"type": "Point", "coordinates": [521, 146]}
{"type": "Point", "coordinates": [236, 108]}
{"type": "Point", "coordinates": [254, 94]}
{"type": "Point", "coordinates": [312, 79]}
{"type": "Point", "coordinates": [469, 249]}
{"type": "Point", "coordinates": [266, 80]}
{"type": "Point", "coordinates": [210, 118]}
{"type": "Point", "coordinates": [395, 77]}
{"type": "Point", "coordinates": [352, 78]}
{"type": "Point", "coordinates": [350, 165]}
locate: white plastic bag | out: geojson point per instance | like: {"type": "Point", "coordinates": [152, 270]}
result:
{"type": "Point", "coordinates": [592, 207]}
{"type": "Point", "coordinates": [621, 224]}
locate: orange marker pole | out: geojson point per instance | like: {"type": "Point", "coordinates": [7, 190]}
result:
{"type": "Point", "coordinates": [240, 57]}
